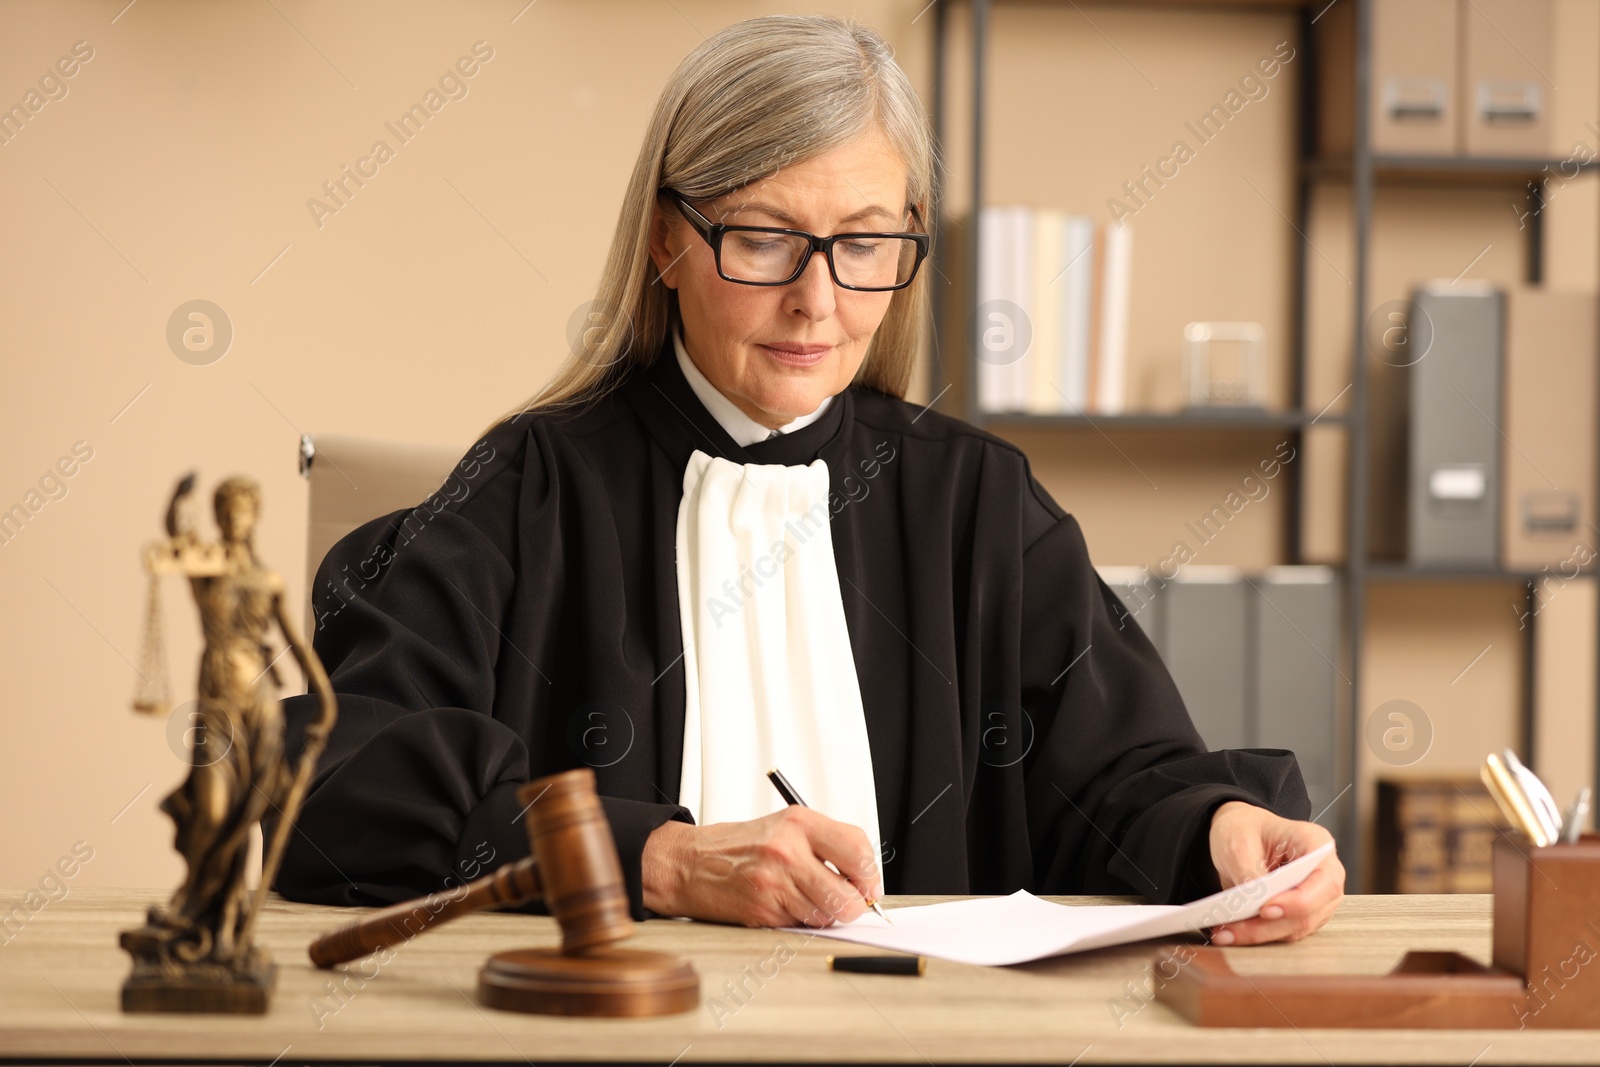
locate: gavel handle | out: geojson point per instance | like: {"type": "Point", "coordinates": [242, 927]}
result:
{"type": "Point", "coordinates": [514, 883]}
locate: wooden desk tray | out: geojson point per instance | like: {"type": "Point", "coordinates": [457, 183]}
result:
{"type": "Point", "coordinates": [1544, 975]}
{"type": "Point", "coordinates": [1426, 990]}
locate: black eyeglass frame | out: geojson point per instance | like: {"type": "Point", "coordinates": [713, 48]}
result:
{"type": "Point", "coordinates": [713, 233]}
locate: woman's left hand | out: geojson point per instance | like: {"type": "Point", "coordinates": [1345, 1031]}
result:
{"type": "Point", "coordinates": [1248, 841]}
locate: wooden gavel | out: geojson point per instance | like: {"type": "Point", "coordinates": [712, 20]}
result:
{"type": "Point", "coordinates": [574, 867]}
{"type": "Point", "coordinates": [515, 883]}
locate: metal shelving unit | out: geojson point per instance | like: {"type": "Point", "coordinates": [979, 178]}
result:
{"type": "Point", "coordinates": [1363, 170]}
{"type": "Point", "coordinates": [1211, 421]}
{"type": "Point", "coordinates": [1444, 168]}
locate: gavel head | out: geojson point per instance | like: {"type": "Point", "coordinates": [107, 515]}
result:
{"type": "Point", "coordinates": [577, 857]}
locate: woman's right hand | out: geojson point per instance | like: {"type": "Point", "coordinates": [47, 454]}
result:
{"type": "Point", "coordinates": [764, 872]}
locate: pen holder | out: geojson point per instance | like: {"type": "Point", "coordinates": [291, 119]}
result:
{"type": "Point", "coordinates": [1545, 972]}
{"type": "Point", "coordinates": [1547, 929]}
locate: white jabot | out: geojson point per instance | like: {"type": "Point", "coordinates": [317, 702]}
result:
{"type": "Point", "coordinates": [741, 427]}
{"type": "Point", "coordinates": [770, 678]}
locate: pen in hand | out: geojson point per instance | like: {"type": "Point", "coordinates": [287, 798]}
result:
{"type": "Point", "coordinates": [787, 791]}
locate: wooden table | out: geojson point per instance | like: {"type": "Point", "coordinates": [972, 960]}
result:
{"type": "Point", "coordinates": [61, 972]}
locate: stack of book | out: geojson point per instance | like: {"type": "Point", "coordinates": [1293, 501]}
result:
{"type": "Point", "coordinates": [1436, 835]}
{"type": "Point", "coordinates": [1052, 305]}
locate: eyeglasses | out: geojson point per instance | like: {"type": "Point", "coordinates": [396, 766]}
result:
{"type": "Point", "coordinates": [770, 255]}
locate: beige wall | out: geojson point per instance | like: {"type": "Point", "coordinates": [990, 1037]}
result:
{"type": "Point", "coordinates": [191, 143]}
{"type": "Point", "coordinates": [178, 167]}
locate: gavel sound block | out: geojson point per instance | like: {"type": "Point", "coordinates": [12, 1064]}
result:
{"type": "Point", "coordinates": [574, 867]}
{"type": "Point", "coordinates": [1545, 972]}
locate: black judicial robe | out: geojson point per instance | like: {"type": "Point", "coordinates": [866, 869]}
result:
{"type": "Point", "coordinates": [524, 620]}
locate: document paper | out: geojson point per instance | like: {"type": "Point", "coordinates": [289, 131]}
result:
{"type": "Point", "coordinates": [995, 931]}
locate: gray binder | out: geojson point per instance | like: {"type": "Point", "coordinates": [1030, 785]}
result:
{"type": "Point", "coordinates": [1205, 623]}
{"type": "Point", "coordinates": [1295, 680]}
{"type": "Point", "coordinates": [1454, 486]}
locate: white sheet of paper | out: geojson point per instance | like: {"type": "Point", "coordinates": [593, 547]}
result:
{"type": "Point", "coordinates": [996, 931]}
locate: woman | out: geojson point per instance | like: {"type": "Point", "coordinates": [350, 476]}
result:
{"type": "Point", "coordinates": [720, 541]}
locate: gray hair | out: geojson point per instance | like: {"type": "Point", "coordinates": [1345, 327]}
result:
{"type": "Point", "coordinates": [755, 96]}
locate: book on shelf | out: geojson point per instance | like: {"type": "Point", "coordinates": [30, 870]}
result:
{"type": "Point", "coordinates": [1053, 304]}
{"type": "Point", "coordinates": [1436, 835]}
{"type": "Point", "coordinates": [1111, 340]}
{"type": "Point", "coordinates": [1077, 278]}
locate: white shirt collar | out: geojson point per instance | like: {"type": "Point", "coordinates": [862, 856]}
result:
{"type": "Point", "coordinates": [741, 427]}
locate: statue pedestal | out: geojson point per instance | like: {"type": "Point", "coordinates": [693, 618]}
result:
{"type": "Point", "coordinates": [163, 982]}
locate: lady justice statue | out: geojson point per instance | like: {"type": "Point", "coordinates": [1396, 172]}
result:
{"type": "Point", "coordinates": [195, 953]}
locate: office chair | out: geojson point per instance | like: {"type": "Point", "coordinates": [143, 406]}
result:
{"type": "Point", "coordinates": [354, 479]}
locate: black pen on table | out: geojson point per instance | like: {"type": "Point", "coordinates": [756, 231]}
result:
{"type": "Point", "coordinates": [787, 792]}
